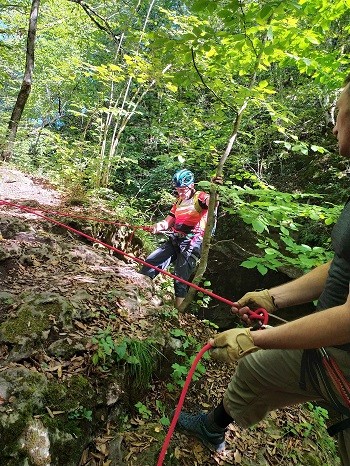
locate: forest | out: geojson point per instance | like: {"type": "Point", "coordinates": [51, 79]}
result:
{"type": "Point", "coordinates": [105, 100]}
{"type": "Point", "coordinates": [111, 99]}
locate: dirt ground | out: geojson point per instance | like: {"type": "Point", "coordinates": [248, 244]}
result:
{"type": "Point", "coordinates": [15, 185]}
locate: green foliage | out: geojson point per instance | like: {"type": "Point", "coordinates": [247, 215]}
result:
{"type": "Point", "coordinates": [138, 356]}
{"type": "Point", "coordinates": [274, 216]}
{"type": "Point", "coordinates": [210, 324]}
{"type": "Point", "coordinates": [164, 420]}
{"type": "Point", "coordinates": [172, 313]}
{"type": "Point", "coordinates": [320, 417]}
{"type": "Point", "coordinates": [203, 299]}
{"type": "Point", "coordinates": [80, 413]}
{"type": "Point", "coordinates": [314, 427]}
{"type": "Point", "coordinates": [320, 414]}
{"type": "Point", "coordinates": [187, 351]}
{"type": "Point", "coordinates": [123, 122]}
{"type": "Point", "coordinates": [95, 119]}
{"type": "Point", "coordinates": [144, 412]}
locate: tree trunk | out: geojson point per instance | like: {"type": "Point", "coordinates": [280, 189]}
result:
{"type": "Point", "coordinates": [214, 191]}
{"type": "Point", "coordinates": [26, 84]}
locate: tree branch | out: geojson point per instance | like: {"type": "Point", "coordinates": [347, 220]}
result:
{"type": "Point", "coordinates": [205, 84]}
{"type": "Point", "coordinates": [97, 19]}
{"type": "Point", "coordinates": [214, 188]}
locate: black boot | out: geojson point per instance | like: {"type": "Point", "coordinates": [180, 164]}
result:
{"type": "Point", "coordinates": [202, 426]}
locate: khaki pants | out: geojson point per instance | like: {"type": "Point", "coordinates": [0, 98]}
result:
{"type": "Point", "coordinates": [269, 379]}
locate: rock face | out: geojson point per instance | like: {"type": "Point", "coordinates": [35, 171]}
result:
{"type": "Point", "coordinates": [59, 302]}
{"type": "Point", "coordinates": [15, 185]}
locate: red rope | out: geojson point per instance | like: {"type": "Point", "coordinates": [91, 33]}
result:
{"type": "Point", "coordinates": [136, 259]}
{"type": "Point", "coordinates": [180, 404]}
{"type": "Point", "coordinates": [332, 368]}
{"type": "Point", "coordinates": [338, 379]}
{"type": "Point", "coordinates": [259, 313]}
{"type": "Point", "coordinates": [93, 219]}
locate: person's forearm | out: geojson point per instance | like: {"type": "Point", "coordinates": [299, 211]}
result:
{"type": "Point", "coordinates": [302, 290]}
{"type": "Point", "coordinates": [323, 328]}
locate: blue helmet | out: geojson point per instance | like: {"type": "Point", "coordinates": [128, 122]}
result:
{"type": "Point", "coordinates": [183, 178]}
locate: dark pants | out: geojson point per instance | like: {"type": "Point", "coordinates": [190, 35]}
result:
{"type": "Point", "coordinates": [183, 252]}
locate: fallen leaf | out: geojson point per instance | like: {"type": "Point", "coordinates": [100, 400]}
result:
{"type": "Point", "coordinates": [49, 411]}
{"type": "Point", "coordinates": [237, 456]}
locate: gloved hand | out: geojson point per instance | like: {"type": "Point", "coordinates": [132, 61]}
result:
{"type": "Point", "coordinates": [256, 299]}
{"type": "Point", "coordinates": [232, 345]}
{"type": "Point", "coordinates": [159, 226]}
{"type": "Point", "coordinates": [155, 228]}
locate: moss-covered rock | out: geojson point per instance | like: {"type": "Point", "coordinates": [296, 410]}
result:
{"type": "Point", "coordinates": [6, 298]}
{"type": "Point", "coordinates": [74, 427]}
{"type": "Point", "coordinates": [10, 225]}
{"type": "Point", "coordinates": [36, 444]}
{"type": "Point", "coordinates": [34, 318]}
{"type": "Point", "coordinates": [64, 348]}
{"type": "Point", "coordinates": [9, 250]}
{"type": "Point", "coordinates": [25, 390]}
{"type": "Point", "coordinates": [68, 395]}
{"type": "Point", "coordinates": [59, 438]}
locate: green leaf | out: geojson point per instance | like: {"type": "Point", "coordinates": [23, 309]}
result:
{"type": "Point", "coordinates": [248, 264]}
{"type": "Point", "coordinates": [271, 251]}
{"type": "Point", "coordinates": [121, 349]}
{"type": "Point", "coordinates": [171, 87]}
{"type": "Point", "coordinates": [258, 225]}
{"type": "Point", "coordinates": [179, 370]}
{"type": "Point", "coordinates": [95, 359]}
{"type": "Point", "coordinates": [269, 34]}
{"type": "Point", "coordinates": [200, 5]}
{"type": "Point", "coordinates": [262, 269]}
{"type": "Point", "coordinates": [305, 247]}
{"type": "Point", "coordinates": [177, 332]}
{"type": "Point", "coordinates": [263, 84]}
{"type": "Point", "coordinates": [164, 420]}
{"type": "Point", "coordinates": [264, 13]}
{"type": "Point", "coordinates": [132, 360]}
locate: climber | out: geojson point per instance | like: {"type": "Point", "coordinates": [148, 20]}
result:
{"type": "Point", "coordinates": [186, 220]}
